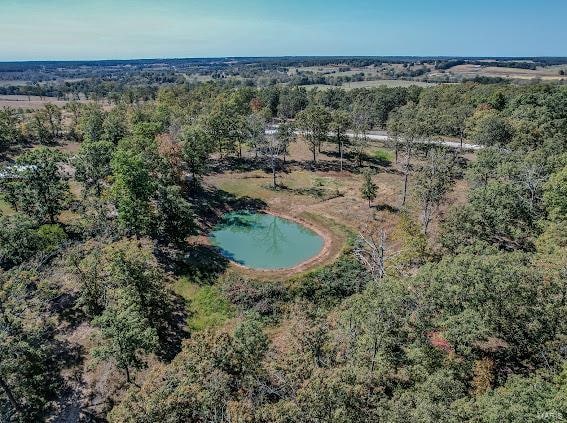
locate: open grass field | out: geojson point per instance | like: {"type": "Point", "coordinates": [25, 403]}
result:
{"type": "Point", "coordinates": [387, 83]}
{"type": "Point", "coordinates": [33, 102]}
{"type": "Point", "coordinates": [383, 75]}
{"type": "Point", "coordinates": [550, 73]}
{"type": "Point", "coordinates": [373, 84]}
{"type": "Point", "coordinates": [332, 70]}
{"type": "Point", "coordinates": [13, 83]}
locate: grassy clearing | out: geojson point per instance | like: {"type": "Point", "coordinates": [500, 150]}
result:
{"type": "Point", "coordinates": [303, 180]}
{"type": "Point", "coordinates": [309, 195]}
{"type": "Point", "coordinates": [331, 224]}
{"type": "Point", "coordinates": [316, 186]}
{"type": "Point", "coordinates": [258, 185]}
{"type": "Point", "coordinates": [386, 82]}
{"type": "Point", "coordinates": [253, 184]}
{"type": "Point", "coordinates": [383, 155]}
{"type": "Point", "coordinates": [546, 73]}
{"type": "Point", "coordinates": [206, 306]}
{"type": "Point", "coordinates": [5, 209]}
{"type": "Point", "coordinates": [372, 84]}
{"type": "Point", "coordinates": [316, 191]}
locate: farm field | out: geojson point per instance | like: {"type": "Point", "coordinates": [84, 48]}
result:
{"type": "Point", "coordinates": [373, 84]}
{"type": "Point", "coordinates": [550, 73]}
{"type": "Point", "coordinates": [15, 83]}
{"type": "Point", "coordinates": [376, 74]}
{"type": "Point", "coordinates": [387, 83]}
{"type": "Point", "coordinates": [32, 102]}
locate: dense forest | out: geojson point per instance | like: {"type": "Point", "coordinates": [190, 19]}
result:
{"type": "Point", "coordinates": [451, 317]}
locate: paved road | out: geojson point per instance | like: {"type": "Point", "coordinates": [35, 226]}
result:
{"type": "Point", "coordinates": [383, 136]}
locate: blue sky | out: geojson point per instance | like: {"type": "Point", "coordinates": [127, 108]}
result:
{"type": "Point", "coordinates": [100, 29]}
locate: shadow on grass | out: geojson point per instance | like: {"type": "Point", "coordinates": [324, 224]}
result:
{"type": "Point", "coordinates": [250, 164]}
{"type": "Point", "coordinates": [210, 204]}
{"type": "Point", "coordinates": [238, 164]}
{"type": "Point", "coordinates": [386, 207]}
{"type": "Point", "coordinates": [172, 331]}
{"type": "Point", "coordinates": [202, 264]}
{"type": "Point", "coordinates": [378, 161]}
{"type": "Point", "coordinates": [320, 193]}
{"type": "Point", "coordinates": [351, 163]}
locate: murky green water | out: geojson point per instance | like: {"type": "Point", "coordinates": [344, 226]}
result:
{"type": "Point", "coordinates": [263, 241]}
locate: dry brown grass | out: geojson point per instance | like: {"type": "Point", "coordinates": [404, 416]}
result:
{"type": "Point", "coordinates": [36, 102]}
{"type": "Point", "coordinates": [550, 73]}
{"type": "Point", "coordinates": [347, 209]}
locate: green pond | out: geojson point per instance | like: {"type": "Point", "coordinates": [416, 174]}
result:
{"type": "Point", "coordinates": [264, 241]}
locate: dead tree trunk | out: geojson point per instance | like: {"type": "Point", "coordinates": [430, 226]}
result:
{"type": "Point", "coordinates": [341, 154]}
{"type": "Point", "coordinates": [406, 173]}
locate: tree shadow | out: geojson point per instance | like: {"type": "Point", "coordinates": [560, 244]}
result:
{"type": "Point", "coordinates": [173, 331]}
{"type": "Point", "coordinates": [238, 164]}
{"type": "Point", "coordinates": [210, 204]}
{"type": "Point", "coordinates": [326, 166]}
{"type": "Point", "coordinates": [9, 152]}
{"type": "Point", "coordinates": [350, 164]}
{"type": "Point", "coordinates": [386, 207]}
{"type": "Point", "coordinates": [65, 305]}
{"type": "Point", "coordinates": [378, 161]}
{"type": "Point", "coordinates": [352, 159]}
{"type": "Point", "coordinates": [203, 264]}
{"type": "Point", "coordinates": [68, 356]}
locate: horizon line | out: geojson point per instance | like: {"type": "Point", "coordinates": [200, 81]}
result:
{"type": "Point", "coordinates": [338, 56]}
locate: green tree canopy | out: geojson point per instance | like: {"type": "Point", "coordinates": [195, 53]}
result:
{"type": "Point", "coordinates": [45, 191]}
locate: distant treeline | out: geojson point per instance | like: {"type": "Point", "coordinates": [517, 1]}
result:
{"type": "Point", "coordinates": [281, 61]}
{"type": "Point", "coordinates": [140, 79]}
{"type": "Point", "coordinates": [523, 63]}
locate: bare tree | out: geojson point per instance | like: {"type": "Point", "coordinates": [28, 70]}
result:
{"type": "Point", "coordinates": [407, 124]}
{"type": "Point", "coordinates": [271, 149]}
{"type": "Point", "coordinates": [313, 122]}
{"type": "Point", "coordinates": [532, 176]}
{"type": "Point", "coordinates": [432, 182]}
{"type": "Point", "coordinates": [371, 250]}
{"type": "Point", "coordinates": [286, 135]}
{"type": "Point", "coordinates": [255, 131]}
{"type": "Point", "coordinates": [361, 124]}
{"type": "Point", "coordinates": [340, 122]}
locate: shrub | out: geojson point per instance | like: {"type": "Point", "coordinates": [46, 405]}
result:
{"type": "Point", "coordinates": [51, 237]}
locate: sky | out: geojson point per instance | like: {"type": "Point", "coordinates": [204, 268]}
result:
{"type": "Point", "coordinates": [127, 29]}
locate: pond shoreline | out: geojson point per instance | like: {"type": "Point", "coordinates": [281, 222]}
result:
{"type": "Point", "coordinates": [325, 249]}
{"type": "Point", "coordinates": [324, 256]}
